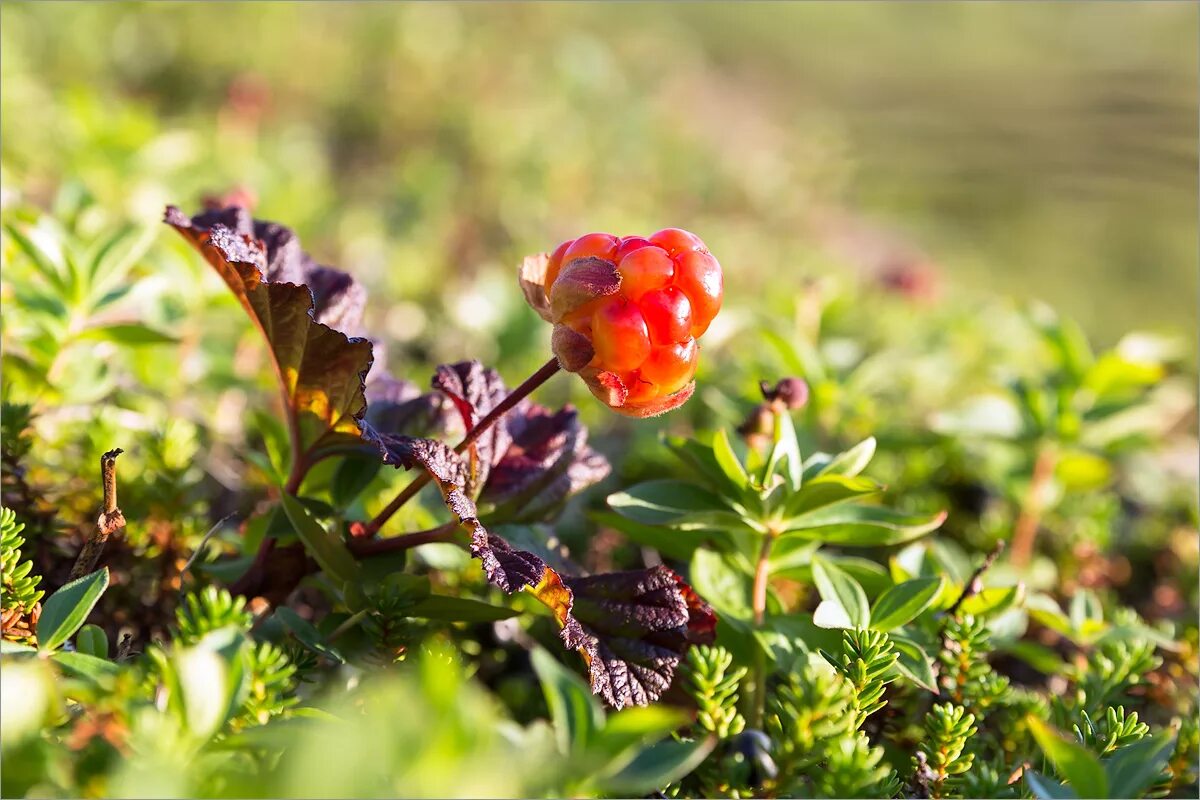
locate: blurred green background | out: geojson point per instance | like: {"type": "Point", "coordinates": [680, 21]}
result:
{"type": "Point", "coordinates": [1041, 150]}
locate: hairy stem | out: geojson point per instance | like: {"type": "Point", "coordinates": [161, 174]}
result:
{"type": "Point", "coordinates": [1026, 528]}
{"type": "Point", "coordinates": [544, 373]}
{"type": "Point", "coordinates": [111, 519]}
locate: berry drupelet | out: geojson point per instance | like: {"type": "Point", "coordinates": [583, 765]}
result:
{"type": "Point", "coordinates": [628, 312]}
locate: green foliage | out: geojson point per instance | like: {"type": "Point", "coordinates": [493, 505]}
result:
{"type": "Point", "coordinates": [712, 682]}
{"type": "Point", "coordinates": [811, 708]}
{"type": "Point", "coordinates": [850, 526]}
{"type": "Point", "coordinates": [1113, 730]}
{"type": "Point", "coordinates": [866, 662]}
{"type": "Point", "coordinates": [941, 757]}
{"type": "Point", "coordinates": [967, 677]}
{"type": "Point", "coordinates": [208, 610]}
{"type": "Point", "coordinates": [19, 592]}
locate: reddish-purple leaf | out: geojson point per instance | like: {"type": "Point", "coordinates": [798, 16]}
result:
{"type": "Point", "coordinates": [475, 390]}
{"type": "Point", "coordinates": [635, 628]}
{"type": "Point", "coordinates": [311, 333]}
{"type": "Point", "coordinates": [547, 461]}
{"type": "Point", "coordinates": [632, 628]}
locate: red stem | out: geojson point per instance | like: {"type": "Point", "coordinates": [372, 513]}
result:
{"type": "Point", "coordinates": [544, 373]}
{"type": "Point", "coordinates": [377, 547]}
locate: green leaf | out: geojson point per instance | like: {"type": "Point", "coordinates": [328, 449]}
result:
{"type": "Point", "coordinates": [853, 461]}
{"type": "Point", "coordinates": [459, 609]}
{"type": "Point", "coordinates": [827, 490]}
{"type": "Point", "coordinates": [85, 666]}
{"type": "Point", "coordinates": [1077, 766]}
{"type": "Point", "coordinates": [13, 648]}
{"type": "Point", "coordinates": [726, 588]}
{"type": "Point", "coordinates": [44, 250]}
{"type": "Point", "coordinates": [331, 553]}
{"type": "Point", "coordinates": [913, 662]}
{"type": "Point", "coordinates": [664, 502]}
{"type": "Point", "coordinates": [671, 543]}
{"type": "Point", "coordinates": [901, 604]}
{"type": "Point", "coordinates": [126, 333]}
{"type": "Point", "coordinates": [307, 634]}
{"type": "Point", "coordinates": [66, 610]}
{"type": "Point", "coordinates": [1134, 769]}
{"type": "Point", "coordinates": [1045, 788]}
{"type": "Point", "coordinates": [658, 765]}
{"type": "Point", "coordinates": [846, 598]}
{"type": "Point", "coordinates": [354, 474]}
{"type": "Point", "coordinates": [211, 680]}
{"type": "Point", "coordinates": [862, 526]}
{"type": "Point", "coordinates": [702, 461]}
{"type": "Point", "coordinates": [576, 715]}
{"type": "Point", "coordinates": [1038, 656]}
{"type": "Point", "coordinates": [992, 601]}
{"type": "Point", "coordinates": [785, 450]}
{"type": "Point", "coordinates": [93, 641]}
{"type": "Point", "coordinates": [728, 461]}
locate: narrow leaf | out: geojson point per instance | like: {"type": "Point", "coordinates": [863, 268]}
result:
{"type": "Point", "coordinates": [459, 609]}
{"type": "Point", "coordinates": [901, 604]}
{"type": "Point", "coordinates": [663, 502]}
{"type": "Point", "coordinates": [1081, 770]}
{"type": "Point", "coordinates": [331, 554]}
{"type": "Point", "coordinates": [658, 765]}
{"type": "Point", "coordinates": [66, 610]}
{"type": "Point", "coordinates": [837, 587]}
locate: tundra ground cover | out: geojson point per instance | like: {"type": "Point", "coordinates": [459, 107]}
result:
{"type": "Point", "coordinates": [898, 539]}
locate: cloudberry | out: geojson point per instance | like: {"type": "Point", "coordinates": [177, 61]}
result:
{"type": "Point", "coordinates": [627, 313]}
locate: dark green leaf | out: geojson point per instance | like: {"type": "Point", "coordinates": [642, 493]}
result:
{"type": "Point", "coordinates": [658, 765]}
{"type": "Point", "coordinates": [1077, 766]}
{"type": "Point", "coordinates": [459, 609]}
{"type": "Point", "coordinates": [903, 602]}
{"type": "Point", "coordinates": [913, 662]}
{"type": "Point", "coordinates": [329, 551]}
{"type": "Point", "coordinates": [86, 666]}
{"type": "Point", "coordinates": [862, 526]}
{"type": "Point", "coordinates": [576, 715]}
{"type": "Point", "coordinates": [827, 490]}
{"type": "Point", "coordinates": [66, 610]}
{"type": "Point", "coordinates": [1134, 769]}
{"type": "Point", "coordinates": [846, 600]}
{"type": "Point", "coordinates": [1044, 788]}
{"type": "Point", "coordinates": [354, 474]}
{"type": "Point", "coordinates": [727, 589]}
{"type": "Point", "coordinates": [728, 461]}
{"type": "Point", "coordinates": [664, 502]}
{"type": "Point", "coordinates": [307, 634]}
{"type": "Point", "coordinates": [92, 641]}
{"type": "Point", "coordinates": [672, 543]}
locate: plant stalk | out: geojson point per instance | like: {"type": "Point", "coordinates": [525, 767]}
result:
{"type": "Point", "coordinates": [759, 605]}
{"type": "Point", "coordinates": [1026, 528]}
{"type": "Point", "coordinates": [544, 373]}
{"type": "Point", "coordinates": [377, 547]}
{"type": "Point", "coordinates": [110, 521]}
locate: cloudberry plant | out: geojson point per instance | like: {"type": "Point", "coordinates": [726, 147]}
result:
{"type": "Point", "coordinates": [629, 311]}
